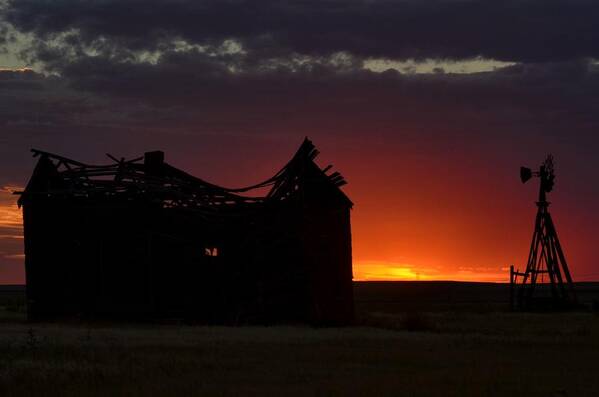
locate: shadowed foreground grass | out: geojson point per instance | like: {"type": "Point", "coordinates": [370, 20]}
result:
{"type": "Point", "coordinates": [449, 354]}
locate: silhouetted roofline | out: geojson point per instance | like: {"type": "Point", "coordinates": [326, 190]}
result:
{"type": "Point", "coordinates": [151, 176]}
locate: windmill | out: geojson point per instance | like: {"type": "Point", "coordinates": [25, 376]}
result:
{"type": "Point", "coordinates": [546, 267]}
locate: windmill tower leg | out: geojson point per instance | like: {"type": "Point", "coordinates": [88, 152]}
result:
{"type": "Point", "coordinates": [568, 295]}
{"type": "Point", "coordinates": [527, 285]}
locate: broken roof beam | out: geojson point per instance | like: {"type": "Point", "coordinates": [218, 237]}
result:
{"type": "Point", "coordinates": [37, 152]}
{"type": "Point", "coordinates": [70, 162]}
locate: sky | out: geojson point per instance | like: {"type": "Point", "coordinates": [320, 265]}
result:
{"type": "Point", "coordinates": [427, 107]}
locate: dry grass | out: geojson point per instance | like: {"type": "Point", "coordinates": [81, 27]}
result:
{"type": "Point", "coordinates": [449, 354]}
{"type": "Point", "coordinates": [398, 349]}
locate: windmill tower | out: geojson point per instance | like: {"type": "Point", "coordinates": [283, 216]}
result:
{"type": "Point", "coordinates": [546, 268]}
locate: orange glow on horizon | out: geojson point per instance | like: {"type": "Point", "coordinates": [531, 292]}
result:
{"type": "Point", "coordinates": [391, 271]}
{"type": "Point", "coordinates": [12, 259]}
{"type": "Point", "coordinates": [364, 270]}
{"type": "Point", "coordinates": [409, 229]}
{"type": "Point", "coordinates": [10, 214]}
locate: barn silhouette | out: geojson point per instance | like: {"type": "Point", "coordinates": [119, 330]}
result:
{"type": "Point", "coordinates": [141, 239]}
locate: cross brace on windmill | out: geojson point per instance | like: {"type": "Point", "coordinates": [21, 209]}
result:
{"type": "Point", "coordinates": [546, 283]}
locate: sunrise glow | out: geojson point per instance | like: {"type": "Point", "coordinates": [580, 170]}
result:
{"type": "Point", "coordinates": [423, 260]}
{"type": "Point", "coordinates": [364, 269]}
{"type": "Point", "coordinates": [10, 214]}
{"type": "Point", "coordinates": [389, 271]}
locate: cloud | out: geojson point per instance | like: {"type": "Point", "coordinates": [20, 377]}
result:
{"type": "Point", "coordinates": [513, 30]}
{"type": "Point", "coordinates": [189, 92]}
{"type": "Point", "coordinates": [191, 64]}
{"type": "Point", "coordinates": [192, 90]}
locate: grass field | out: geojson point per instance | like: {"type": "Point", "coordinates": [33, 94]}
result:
{"type": "Point", "coordinates": [397, 349]}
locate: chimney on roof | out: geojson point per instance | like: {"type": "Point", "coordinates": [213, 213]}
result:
{"type": "Point", "coordinates": [153, 161]}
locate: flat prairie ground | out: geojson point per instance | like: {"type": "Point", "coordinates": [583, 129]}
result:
{"type": "Point", "coordinates": [399, 352]}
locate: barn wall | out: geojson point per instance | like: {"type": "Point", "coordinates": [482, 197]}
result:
{"type": "Point", "coordinates": [328, 248]}
{"type": "Point", "coordinates": [109, 256]}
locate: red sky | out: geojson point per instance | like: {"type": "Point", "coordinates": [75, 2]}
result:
{"type": "Point", "coordinates": [428, 108]}
{"type": "Point", "coordinates": [429, 215]}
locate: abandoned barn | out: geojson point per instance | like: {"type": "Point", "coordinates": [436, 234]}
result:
{"type": "Point", "coordinates": [141, 239]}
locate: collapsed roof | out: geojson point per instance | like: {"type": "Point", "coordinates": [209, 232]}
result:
{"type": "Point", "coordinates": [153, 179]}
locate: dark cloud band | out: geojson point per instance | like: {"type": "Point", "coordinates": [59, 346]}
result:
{"type": "Point", "coordinates": [513, 30]}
